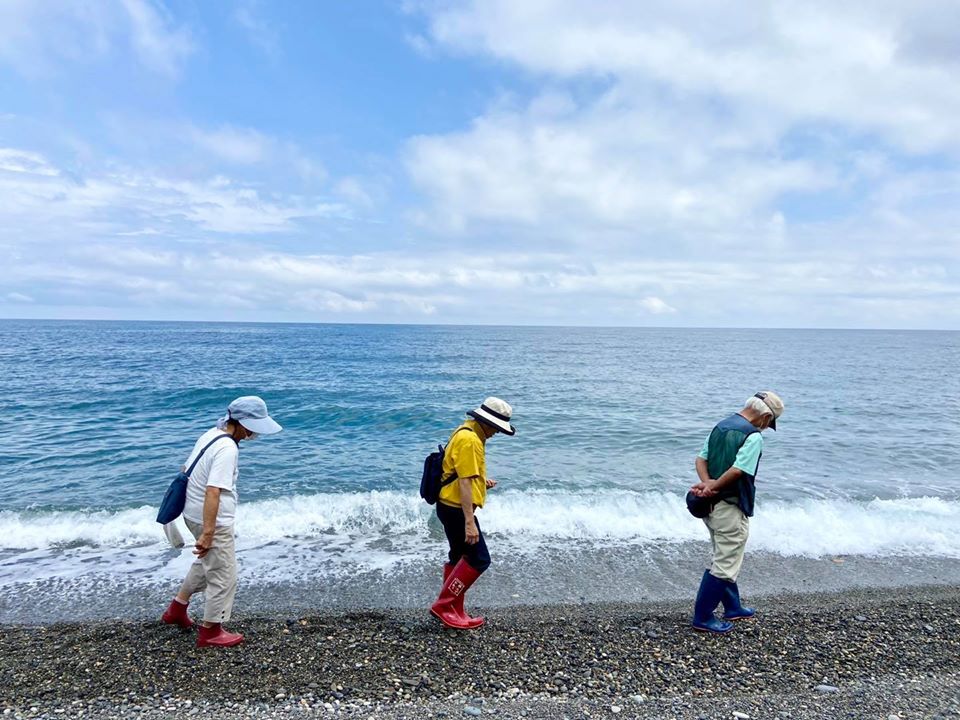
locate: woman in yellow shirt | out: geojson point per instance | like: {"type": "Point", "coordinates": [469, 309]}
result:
{"type": "Point", "coordinates": [465, 475]}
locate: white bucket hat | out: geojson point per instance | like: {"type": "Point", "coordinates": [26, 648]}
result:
{"type": "Point", "coordinates": [251, 412]}
{"type": "Point", "coordinates": [495, 412]}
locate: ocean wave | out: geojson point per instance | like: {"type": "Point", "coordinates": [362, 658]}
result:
{"type": "Point", "coordinates": [925, 526]}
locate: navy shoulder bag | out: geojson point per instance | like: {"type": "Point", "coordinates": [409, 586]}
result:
{"type": "Point", "coordinates": [176, 497]}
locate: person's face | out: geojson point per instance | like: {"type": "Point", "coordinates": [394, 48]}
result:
{"type": "Point", "coordinates": [241, 433]}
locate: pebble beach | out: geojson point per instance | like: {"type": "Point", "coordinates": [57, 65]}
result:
{"type": "Point", "coordinates": [890, 654]}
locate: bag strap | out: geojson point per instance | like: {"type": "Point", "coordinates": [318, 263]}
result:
{"type": "Point", "coordinates": [444, 483]}
{"type": "Point", "coordinates": [205, 448]}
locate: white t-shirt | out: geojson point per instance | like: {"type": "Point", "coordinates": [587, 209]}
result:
{"type": "Point", "coordinates": [217, 468]}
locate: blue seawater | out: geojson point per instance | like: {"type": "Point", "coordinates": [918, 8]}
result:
{"type": "Point", "coordinates": [98, 417]}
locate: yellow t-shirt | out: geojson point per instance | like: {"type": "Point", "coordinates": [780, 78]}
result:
{"type": "Point", "coordinates": [465, 455]}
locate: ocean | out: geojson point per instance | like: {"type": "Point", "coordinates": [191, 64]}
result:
{"type": "Point", "coordinates": [857, 487]}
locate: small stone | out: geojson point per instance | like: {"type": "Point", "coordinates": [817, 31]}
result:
{"type": "Point", "coordinates": [861, 618]}
{"type": "Point", "coordinates": [471, 710]}
{"type": "Point", "coordinates": [615, 709]}
{"type": "Point", "coordinates": [653, 634]}
{"type": "Point", "coordinates": [928, 628]}
{"type": "Point", "coordinates": [826, 689]}
{"type": "Point", "coordinates": [638, 698]}
{"type": "Point", "coordinates": [740, 715]}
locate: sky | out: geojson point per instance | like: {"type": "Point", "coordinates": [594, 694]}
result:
{"type": "Point", "coordinates": [545, 162]}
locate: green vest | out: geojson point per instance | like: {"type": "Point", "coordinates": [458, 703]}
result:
{"type": "Point", "coordinates": [725, 442]}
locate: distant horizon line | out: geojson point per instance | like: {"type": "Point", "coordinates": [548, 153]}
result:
{"type": "Point", "coordinates": [480, 325]}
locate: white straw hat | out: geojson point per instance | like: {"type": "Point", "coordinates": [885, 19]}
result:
{"type": "Point", "coordinates": [495, 412]}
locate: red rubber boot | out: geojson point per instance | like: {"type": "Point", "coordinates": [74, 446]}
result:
{"type": "Point", "coordinates": [473, 622]}
{"type": "Point", "coordinates": [176, 614]}
{"type": "Point", "coordinates": [448, 608]}
{"type": "Point", "coordinates": [216, 636]}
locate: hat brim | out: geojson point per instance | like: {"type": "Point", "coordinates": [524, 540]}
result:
{"type": "Point", "coordinates": [773, 423]}
{"type": "Point", "coordinates": [261, 426]}
{"type": "Point", "coordinates": [501, 425]}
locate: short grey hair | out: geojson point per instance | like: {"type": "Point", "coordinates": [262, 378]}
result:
{"type": "Point", "coordinates": [757, 405]}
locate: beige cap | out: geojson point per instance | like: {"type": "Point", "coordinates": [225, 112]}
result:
{"type": "Point", "coordinates": [772, 401]}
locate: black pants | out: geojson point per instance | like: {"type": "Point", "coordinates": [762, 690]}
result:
{"type": "Point", "coordinates": [453, 525]}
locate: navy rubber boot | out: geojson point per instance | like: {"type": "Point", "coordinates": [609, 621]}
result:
{"type": "Point", "coordinates": [732, 609]}
{"type": "Point", "coordinates": [711, 589]}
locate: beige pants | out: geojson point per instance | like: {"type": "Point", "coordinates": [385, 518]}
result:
{"type": "Point", "coordinates": [215, 574]}
{"type": "Point", "coordinates": [729, 529]}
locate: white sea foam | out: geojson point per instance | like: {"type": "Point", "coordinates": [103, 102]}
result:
{"type": "Point", "coordinates": [807, 528]}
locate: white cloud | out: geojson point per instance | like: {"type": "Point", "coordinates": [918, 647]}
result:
{"type": "Point", "coordinates": [238, 145]}
{"type": "Point", "coordinates": [159, 45]}
{"type": "Point", "coordinates": [615, 162]}
{"type": "Point", "coordinates": [242, 146]}
{"type": "Point", "coordinates": [149, 276]}
{"type": "Point", "coordinates": [676, 121]}
{"type": "Point", "coordinates": [878, 67]}
{"type": "Point", "coordinates": [805, 156]}
{"type": "Point", "coordinates": [248, 14]}
{"type": "Point", "coordinates": [37, 38]}
{"type": "Point", "coordinates": [656, 306]}
{"type": "Point", "coordinates": [26, 162]}
{"type": "Point", "coordinates": [35, 195]}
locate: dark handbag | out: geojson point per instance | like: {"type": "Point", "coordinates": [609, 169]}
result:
{"type": "Point", "coordinates": [700, 507]}
{"type": "Point", "coordinates": [171, 507]}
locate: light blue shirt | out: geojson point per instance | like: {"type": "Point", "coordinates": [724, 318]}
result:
{"type": "Point", "coordinates": [748, 456]}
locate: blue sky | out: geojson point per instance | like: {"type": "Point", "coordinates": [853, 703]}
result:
{"type": "Point", "coordinates": [544, 162]}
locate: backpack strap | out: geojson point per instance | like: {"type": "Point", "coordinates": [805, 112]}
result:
{"type": "Point", "coordinates": [205, 448]}
{"type": "Point", "coordinates": [447, 481]}
{"type": "Point", "coordinates": [462, 427]}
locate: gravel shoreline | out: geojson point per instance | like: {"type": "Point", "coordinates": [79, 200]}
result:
{"type": "Point", "coordinates": [876, 653]}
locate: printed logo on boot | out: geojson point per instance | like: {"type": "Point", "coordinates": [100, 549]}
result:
{"type": "Point", "coordinates": [456, 587]}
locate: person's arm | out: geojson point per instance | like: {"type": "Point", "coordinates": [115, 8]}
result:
{"type": "Point", "coordinates": [728, 478]}
{"type": "Point", "coordinates": [211, 504]}
{"type": "Point", "coordinates": [466, 504]}
{"type": "Point", "coordinates": [702, 471]}
{"type": "Point", "coordinates": [745, 464]}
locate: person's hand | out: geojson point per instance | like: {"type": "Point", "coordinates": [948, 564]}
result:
{"type": "Point", "coordinates": [490, 483]}
{"type": "Point", "coordinates": [203, 544]}
{"type": "Point", "coordinates": [473, 535]}
{"type": "Point", "coordinates": [703, 489]}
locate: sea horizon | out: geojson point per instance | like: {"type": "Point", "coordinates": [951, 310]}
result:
{"type": "Point", "coordinates": [483, 325]}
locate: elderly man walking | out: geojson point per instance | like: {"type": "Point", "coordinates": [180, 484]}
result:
{"type": "Point", "coordinates": [465, 485]}
{"type": "Point", "coordinates": [209, 513]}
{"type": "Point", "coordinates": [727, 468]}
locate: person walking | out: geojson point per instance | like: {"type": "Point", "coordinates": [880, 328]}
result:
{"type": "Point", "coordinates": [464, 492]}
{"type": "Point", "coordinates": [209, 513]}
{"type": "Point", "coordinates": [727, 469]}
